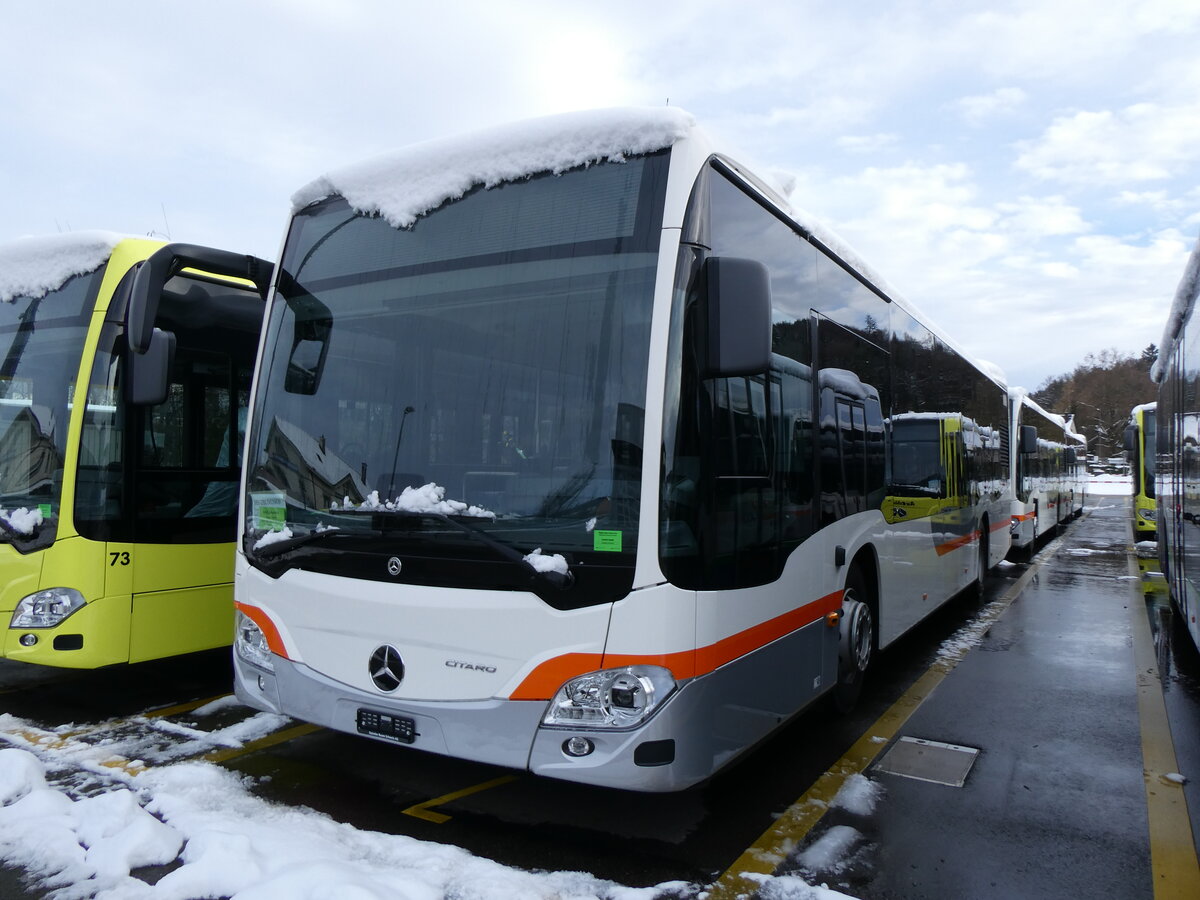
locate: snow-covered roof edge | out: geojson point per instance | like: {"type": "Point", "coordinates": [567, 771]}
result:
{"type": "Point", "coordinates": [1181, 308]}
{"type": "Point", "coordinates": [1144, 407]}
{"type": "Point", "coordinates": [34, 266]}
{"type": "Point", "coordinates": [1022, 396]}
{"type": "Point", "coordinates": [402, 185]}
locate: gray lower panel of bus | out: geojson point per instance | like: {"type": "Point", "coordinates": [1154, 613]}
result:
{"type": "Point", "coordinates": [705, 724]}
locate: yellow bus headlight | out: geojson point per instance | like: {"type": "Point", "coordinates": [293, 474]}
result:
{"type": "Point", "coordinates": [46, 609]}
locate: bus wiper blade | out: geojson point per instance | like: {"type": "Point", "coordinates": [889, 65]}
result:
{"type": "Point", "coordinates": [285, 545]}
{"type": "Point", "coordinates": [557, 580]}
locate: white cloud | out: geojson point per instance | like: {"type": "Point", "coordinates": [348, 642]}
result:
{"type": "Point", "coordinates": [1034, 217]}
{"type": "Point", "coordinates": [867, 143]}
{"type": "Point", "coordinates": [981, 107]}
{"type": "Point", "coordinates": [1143, 142]}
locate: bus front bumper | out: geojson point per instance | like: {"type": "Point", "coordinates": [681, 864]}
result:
{"type": "Point", "coordinates": [494, 731]}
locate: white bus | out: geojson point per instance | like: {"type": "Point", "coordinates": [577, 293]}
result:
{"type": "Point", "coordinates": [575, 449]}
{"type": "Point", "coordinates": [1177, 446]}
{"type": "Point", "coordinates": [1049, 474]}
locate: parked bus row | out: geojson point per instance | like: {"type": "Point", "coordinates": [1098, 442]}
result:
{"type": "Point", "coordinates": [1176, 427]}
{"type": "Point", "coordinates": [600, 466]}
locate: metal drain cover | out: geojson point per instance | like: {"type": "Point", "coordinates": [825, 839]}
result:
{"type": "Point", "coordinates": [928, 761]}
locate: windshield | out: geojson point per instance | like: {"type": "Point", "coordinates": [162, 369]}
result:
{"type": "Point", "coordinates": [916, 458]}
{"type": "Point", "coordinates": [41, 340]}
{"type": "Point", "coordinates": [488, 364]}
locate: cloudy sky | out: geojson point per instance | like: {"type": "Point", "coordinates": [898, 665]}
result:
{"type": "Point", "coordinates": [1028, 173]}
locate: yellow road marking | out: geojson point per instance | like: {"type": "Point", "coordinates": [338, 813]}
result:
{"type": "Point", "coordinates": [270, 740]}
{"type": "Point", "coordinates": [1173, 862]}
{"type": "Point", "coordinates": [423, 811]}
{"type": "Point", "coordinates": [181, 707]}
{"type": "Point", "coordinates": [765, 855]}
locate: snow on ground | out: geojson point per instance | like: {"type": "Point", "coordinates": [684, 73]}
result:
{"type": "Point", "coordinates": [229, 843]}
{"type": "Point", "coordinates": [1109, 485]}
{"type": "Point", "coordinates": [83, 807]}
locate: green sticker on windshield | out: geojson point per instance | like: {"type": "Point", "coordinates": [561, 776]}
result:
{"type": "Point", "coordinates": [606, 541]}
{"type": "Point", "coordinates": [269, 511]}
{"type": "Point", "coordinates": [45, 509]}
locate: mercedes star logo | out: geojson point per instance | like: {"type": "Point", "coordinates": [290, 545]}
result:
{"type": "Point", "coordinates": [386, 668]}
{"type": "Point", "coordinates": [394, 566]}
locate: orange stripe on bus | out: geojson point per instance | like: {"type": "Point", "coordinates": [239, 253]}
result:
{"type": "Point", "coordinates": [263, 621]}
{"type": "Point", "coordinates": [957, 543]}
{"type": "Point", "coordinates": [549, 676]}
{"type": "Point", "coordinates": [1024, 517]}
{"type": "Point", "coordinates": [1000, 524]}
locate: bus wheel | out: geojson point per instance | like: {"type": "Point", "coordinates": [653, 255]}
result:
{"type": "Point", "coordinates": [856, 642]}
{"type": "Point", "coordinates": [984, 551]}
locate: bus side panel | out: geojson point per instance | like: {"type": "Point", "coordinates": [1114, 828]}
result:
{"type": "Point", "coordinates": [167, 623]}
{"type": "Point", "coordinates": [182, 597]}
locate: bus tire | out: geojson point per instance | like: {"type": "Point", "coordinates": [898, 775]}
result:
{"type": "Point", "coordinates": [856, 642]}
{"type": "Point", "coordinates": [984, 559]}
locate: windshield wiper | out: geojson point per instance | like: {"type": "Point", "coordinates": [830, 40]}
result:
{"type": "Point", "coordinates": [557, 580]}
{"type": "Point", "coordinates": [284, 545]}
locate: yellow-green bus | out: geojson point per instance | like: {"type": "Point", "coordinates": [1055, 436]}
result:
{"type": "Point", "coordinates": [125, 369]}
{"type": "Point", "coordinates": [1139, 446]}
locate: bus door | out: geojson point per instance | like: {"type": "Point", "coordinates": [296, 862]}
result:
{"type": "Point", "coordinates": [183, 473]}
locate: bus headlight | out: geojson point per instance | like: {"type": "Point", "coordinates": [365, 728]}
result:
{"type": "Point", "coordinates": [1149, 514]}
{"type": "Point", "coordinates": [251, 643]}
{"type": "Point", "coordinates": [46, 609]}
{"type": "Point", "coordinates": [610, 698]}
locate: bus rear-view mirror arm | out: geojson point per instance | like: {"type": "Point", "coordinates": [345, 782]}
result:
{"type": "Point", "coordinates": [735, 318]}
{"type": "Point", "coordinates": [152, 349]}
{"type": "Point", "coordinates": [166, 262]}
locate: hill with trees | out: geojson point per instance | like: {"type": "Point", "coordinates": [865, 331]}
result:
{"type": "Point", "coordinates": [1099, 393]}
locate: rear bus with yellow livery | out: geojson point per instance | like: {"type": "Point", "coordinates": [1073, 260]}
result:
{"type": "Point", "coordinates": [125, 373]}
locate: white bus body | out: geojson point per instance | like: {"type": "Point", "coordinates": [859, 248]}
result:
{"type": "Point", "coordinates": [540, 474]}
{"type": "Point", "coordinates": [1049, 473]}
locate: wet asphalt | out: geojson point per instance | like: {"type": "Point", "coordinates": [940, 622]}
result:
{"type": "Point", "coordinates": [1055, 804]}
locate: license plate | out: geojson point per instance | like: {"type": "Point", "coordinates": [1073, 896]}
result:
{"type": "Point", "coordinates": [384, 725]}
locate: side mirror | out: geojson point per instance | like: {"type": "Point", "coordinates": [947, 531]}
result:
{"type": "Point", "coordinates": [735, 319]}
{"type": "Point", "coordinates": [149, 372]}
{"type": "Point", "coordinates": [1028, 444]}
{"type": "Point", "coordinates": [310, 345]}
{"type": "Point", "coordinates": [164, 264]}
{"type": "Point", "coordinates": [1130, 438]}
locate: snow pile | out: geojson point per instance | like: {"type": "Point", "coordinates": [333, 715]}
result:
{"type": "Point", "coordinates": [274, 537]}
{"type": "Point", "coordinates": [403, 185]}
{"type": "Point", "coordinates": [230, 843]}
{"type": "Point", "coordinates": [22, 521]}
{"type": "Point", "coordinates": [89, 844]}
{"type": "Point", "coordinates": [542, 562]}
{"type": "Point", "coordinates": [34, 266]}
{"type": "Point", "coordinates": [792, 887]}
{"type": "Point", "coordinates": [858, 795]}
{"type": "Point", "coordinates": [429, 498]}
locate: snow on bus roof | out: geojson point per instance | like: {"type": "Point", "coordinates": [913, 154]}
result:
{"type": "Point", "coordinates": [402, 185]}
{"type": "Point", "coordinates": [1181, 308]}
{"type": "Point", "coordinates": [34, 266]}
